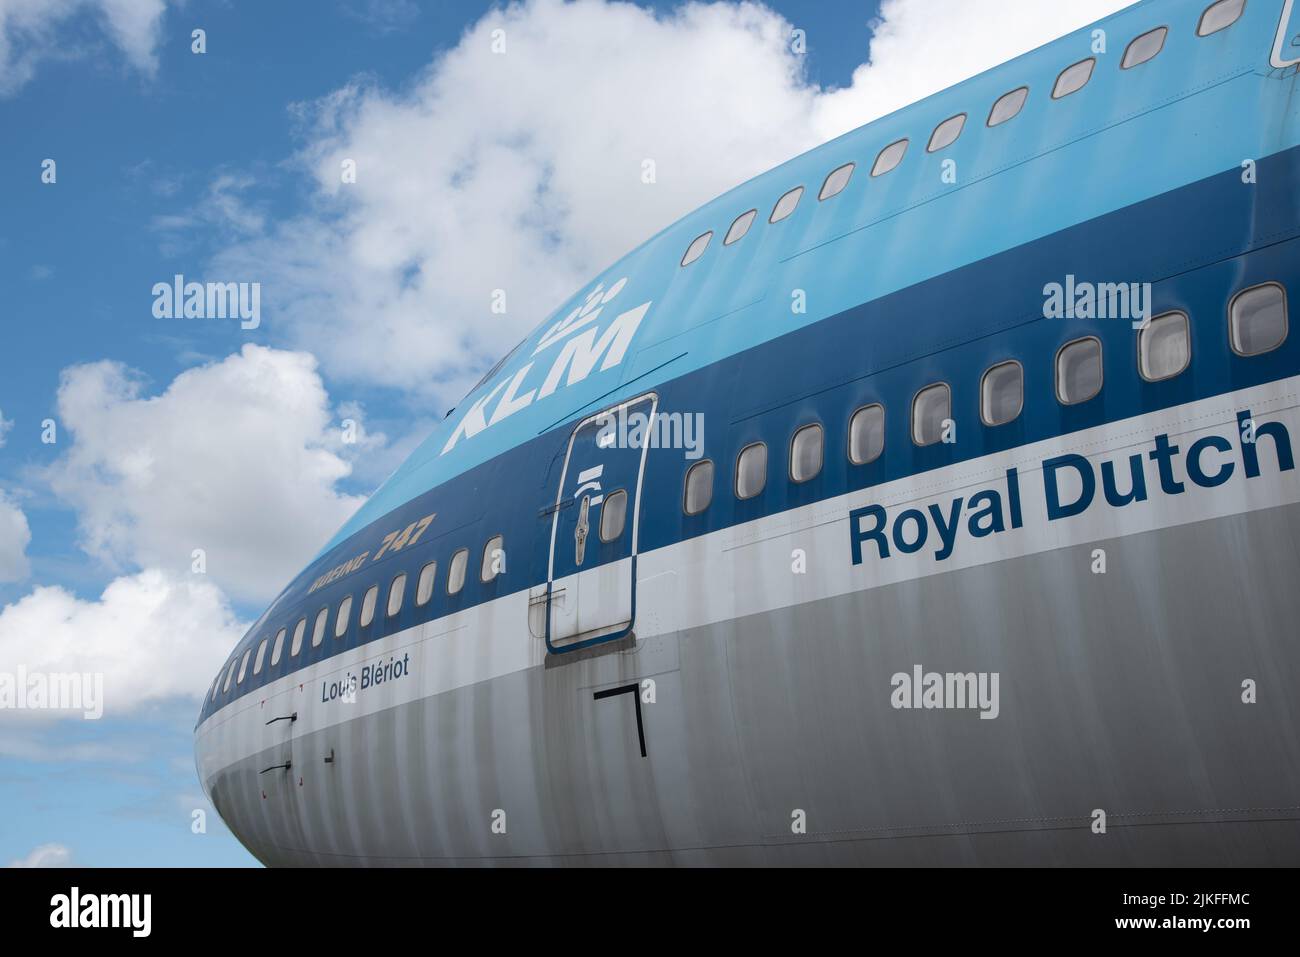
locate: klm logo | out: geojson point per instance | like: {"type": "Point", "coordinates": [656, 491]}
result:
{"type": "Point", "coordinates": [581, 345]}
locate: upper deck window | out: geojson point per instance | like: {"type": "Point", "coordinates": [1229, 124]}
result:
{"type": "Point", "coordinates": [786, 205]}
{"type": "Point", "coordinates": [696, 249]}
{"type": "Point", "coordinates": [229, 674]}
{"type": "Point", "coordinates": [1073, 78]}
{"type": "Point", "coordinates": [946, 133]}
{"type": "Point", "coordinates": [243, 667]}
{"type": "Point", "coordinates": [278, 647]}
{"type": "Point", "coordinates": [299, 630]}
{"type": "Point", "coordinates": [261, 657]}
{"type": "Point", "coordinates": [1220, 16]}
{"type": "Point", "coordinates": [1008, 106]}
{"type": "Point", "coordinates": [889, 158]}
{"type": "Point", "coordinates": [741, 226]}
{"type": "Point", "coordinates": [836, 181]}
{"type": "Point", "coordinates": [1145, 47]}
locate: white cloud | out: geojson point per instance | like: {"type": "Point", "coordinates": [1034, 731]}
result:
{"type": "Point", "coordinates": [239, 458]}
{"type": "Point", "coordinates": [522, 170]}
{"type": "Point", "coordinates": [920, 47]}
{"type": "Point", "coordinates": [5, 426]}
{"type": "Point", "coordinates": [519, 171]}
{"type": "Point", "coordinates": [153, 636]}
{"type": "Point", "coordinates": [33, 30]}
{"type": "Point", "coordinates": [46, 855]}
{"type": "Point", "coordinates": [15, 536]}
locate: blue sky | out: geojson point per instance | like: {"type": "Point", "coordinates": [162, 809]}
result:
{"type": "Point", "coordinates": [175, 435]}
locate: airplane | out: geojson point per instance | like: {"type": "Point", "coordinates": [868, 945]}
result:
{"type": "Point", "coordinates": [929, 499]}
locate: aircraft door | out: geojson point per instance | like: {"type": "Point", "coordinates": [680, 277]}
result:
{"type": "Point", "coordinates": [591, 580]}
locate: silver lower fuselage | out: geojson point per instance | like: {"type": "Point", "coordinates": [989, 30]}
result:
{"type": "Point", "coordinates": [1146, 712]}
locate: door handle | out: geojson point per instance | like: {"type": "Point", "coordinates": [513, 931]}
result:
{"type": "Point", "coordinates": [580, 530]}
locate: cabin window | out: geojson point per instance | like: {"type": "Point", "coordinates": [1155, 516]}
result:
{"type": "Point", "coordinates": [1008, 106]}
{"type": "Point", "coordinates": [1259, 319]}
{"type": "Point", "coordinates": [456, 575]}
{"type": "Point", "coordinates": [299, 630]}
{"type": "Point", "coordinates": [1002, 393]}
{"type": "Point", "coordinates": [261, 656]}
{"type": "Point", "coordinates": [836, 181]}
{"type": "Point", "coordinates": [396, 594]}
{"type": "Point", "coordinates": [243, 667]}
{"type": "Point", "coordinates": [806, 451]}
{"type": "Point", "coordinates": [368, 605]}
{"type": "Point", "coordinates": [278, 647]}
{"type": "Point", "coordinates": [867, 434]}
{"type": "Point", "coordinates": [494, 558]}
{"type": "Point", "coordinates": [1220, 16]}
{"type": "Point", "coordinates": [889, 158]}
{"type": "Point", "coordinates": [741, 226]}
{"type": "Point", "coordinates": [1145, 47]}
{"type": "Point", "coordinates": [1164, 347]}
{"type": "Point", "coordinates": [946, 133]}
{"type": "Point", "coordinates": [1073, 78]}
{"type": "Point", "coordinates": [696, 249]}
{"type": "Point", "coordinates": [699, 488]}
{"type": "Point", "coordinates": [318, 629]}
{"type": "Point", "coordinates": [229, 674]}
{"type": "Point", "coordinates": [1078, 371]}
{"type": "Point", "coordinates": [930, 409]}
{"type": "Point", "coordinates": [344, 616]}
{"type": "Point", "coordinates": [786, 205]}
{"type": "Point", "coordinates": [751, 470]}
{"type": "Point", "coordinates": [613, 515]}
{"type": "Point", "coordinates": [424, 587]}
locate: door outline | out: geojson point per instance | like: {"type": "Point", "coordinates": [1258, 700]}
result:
{"type": "Point", "coordinates": [1276, 60]}
{"type": "Point", "coordinates": [616, 410]}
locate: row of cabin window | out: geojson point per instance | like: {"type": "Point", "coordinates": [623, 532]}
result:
{"type": "Point", "coordinates": [1216, 17]}
{"type": "Point", "coordinates": [1257, 324]}
{"type": "Point", "coordinates": [342, 618]}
